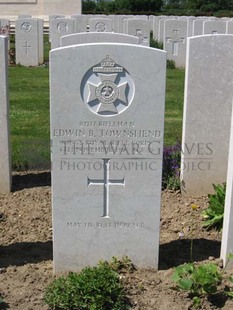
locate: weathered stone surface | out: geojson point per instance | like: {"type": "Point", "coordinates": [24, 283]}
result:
{"type": "Point", "coordinates": [107, 137]}
{"type": "Point", "coordinates": [91, 37]}
{"type": "Point", "coordinates": [207, 113]}
{"type": "Point", "coordinates": [5, 154]}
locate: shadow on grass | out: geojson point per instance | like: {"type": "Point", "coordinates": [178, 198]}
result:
{"type": "Point", "coordinates": [177, 252]}
{"type": "Point", "coordinates": [30, 180]}
{"type": "Point", "coordinates": [19, 254]}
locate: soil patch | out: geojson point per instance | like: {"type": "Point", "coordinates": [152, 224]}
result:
{"type": "Point", "coordinates": [26, 249]}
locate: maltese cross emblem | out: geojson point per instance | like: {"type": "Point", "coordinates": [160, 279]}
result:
{"type": "Point", "coordinates": [107, 88]}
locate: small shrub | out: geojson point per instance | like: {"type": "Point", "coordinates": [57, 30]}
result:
{"type": "Point", "coordinates": [94, 288]}
{"type": "Point", "coordinates": [230, 293]}
{"type": "Point", "coordinates": [171, 64]}
{"type": "Point", "coordinates": [120, 265]}
{"type": "Point", "coordinates": [1, 300]}
{"type": "Point", "coordinates": [171, 167]}
{"type": "Point", "coordinates": [197, 280]}
{"type": "Point", "coordinates": [11, 54]}
{"type": "Point", "coordinates": [203, 280]}
{"type": "Point", "coordinates": [213, 215]}
{"type": "Point", "coordinates": [155, 43]}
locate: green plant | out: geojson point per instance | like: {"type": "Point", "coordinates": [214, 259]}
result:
{"type": "Point", "coordinates": [213, 215]}
{"type": "Point", "coordinates": [194, 208]}
{"type": "Point", "coordinates": [155, 43]}
{"type": "Point", "coordinates": [94, 288]}
{"type": "Point", "coordinates": [229, 293]}
{"type": "Point", "coordinates": [197, 280]}
{"type": "Point", "coordinates": [1, 300]}
{"type": "Point", "coordinates": [171, 166]}
{"type": "Point", "coordinates": [171, 64]}
{"type": "Point", "coordinates": [119, 265]}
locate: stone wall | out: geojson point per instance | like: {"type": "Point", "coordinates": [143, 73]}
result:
{"type": "Point", "coordinates": [10, 9]}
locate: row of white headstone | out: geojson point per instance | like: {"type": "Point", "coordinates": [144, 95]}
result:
{"type": "Point", "coordinates": [107, 116]}
{"type": "Point", "coordinates": [171, 30]}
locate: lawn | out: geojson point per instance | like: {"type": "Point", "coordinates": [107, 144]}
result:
{"type": "Point", "coordinates": [29, 114]}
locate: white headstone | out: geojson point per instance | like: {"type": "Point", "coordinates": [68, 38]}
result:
{"type": "Point", "coordinates": [27, 41]}
{"type": "Point", "coordinates": [190, 21]}
{"type": "Point", "coordinates": [175, 38]}
{"type": "Point", "coordinates": [151, 20]}
{"type": "Point", "coordinates": [227, 232]}
{"type": "Point", "coordinates": [207, 113]}
{"type": "Point", "coordinates": [161, 28]}
{"type": "Point", "coordinates": [198, 27]}
{"type": "Point", "coordinates": [4, 27]}
{"type": "Point", "coordinates": [107, 137]}
{"type": "Point", "coordinates": [81, 23]}
{"type": "Point", "coordinates": [230, 27]}
{"type": "Point", "coordinates": [184, 18]}
{"type": "Point", "coordinates": [41, 40]}
{"type": "Point", "coordinates": [51, 17]}
{"type": "Point", "coordinates": [141, 17]}
{"type": "Point", "coordinates": [214, 27]}
{"type": "Point", "coordinates": [139, 28]}
{"type": "Point", "coordinates": [120, 22]}
{"type": "Point", "coordinates": [5, 154]}
{"type": "Point", "coordinates": [92, 37]}
{"type": "Point", "coordinates": [156, 20]}
{"type": "Point", "coordinates": [60, 27]}
{"type": "Point", "coordinates": [101, 25]}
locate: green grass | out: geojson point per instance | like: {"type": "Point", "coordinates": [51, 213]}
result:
{"type": "Point", "coordinates": [29, 114]}
{"type": "Point", "coordinates": [174, 106]}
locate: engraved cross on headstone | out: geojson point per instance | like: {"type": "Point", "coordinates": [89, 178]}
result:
{"type": "Point", "coordinates": [26, 46]}
{"type": "Point", "coordinates": [139, 34]}
{"type": "Point", "coordinates": [106, 182]}
{"type": "Point", "coordinates": [175, 40]}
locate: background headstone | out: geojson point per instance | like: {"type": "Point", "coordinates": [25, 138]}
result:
{"type": "Point", "coordinates": [27, 41]}
{"type": "Point", "coordinates": [60, 27]}
{"type": "Point", "coordinates": [100, 25]}
{"type": "Point", "coordinates": [51, 17]}
{"type": "Point", "coordinates": [207, 113]}
{"type": "Point", "coordinates": [41, 40]}
{"type": "Point", "coordinates": [93, 37]}
{"type": "Point", "coordinates": [139, 28]}
{"type": "Point", "coordinates": [175, 38]}
{"type": "Point", "coordinates": [156, 20]}
{"type": "Point", "coordinates": [4, 27]}
{"type": "Point", "coordinates": [198, 27]}
{"type": "Point", "coordinates": [107, 132]}
{"type": "Point", "coordinates": [161, 28]}
{"type": "Point", "coordinates": [120, 22]}
{"type": "Point", "coordinates": [230, 27]}
{"type": "Point", "coordinates": [190, 20]}
{"type": "Point", "coordinates": [81, 23]}
{"type": "Point", "coordinates": [227, 232]}
{"type": "Point", "coordinates": [5, 154]}
{"type": "Point", "coordinates": [214, 27]}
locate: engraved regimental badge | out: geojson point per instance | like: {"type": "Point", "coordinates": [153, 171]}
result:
{"type": "Point", "coordinates": [26, 27]}
{"type": "Point", "coordinates": [107, 88]}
